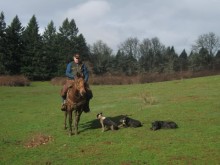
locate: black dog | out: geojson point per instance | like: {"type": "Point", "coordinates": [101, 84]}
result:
{"type": "Point", "coordinates": [106, 122]}
{"type": "Point", "coordinates": [163, 124]}
{"type": "Point", "coordinates": [129, 122]}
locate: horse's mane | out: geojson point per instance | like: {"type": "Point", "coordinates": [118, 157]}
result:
{"type": "Point", "coordinates": [76, 92]}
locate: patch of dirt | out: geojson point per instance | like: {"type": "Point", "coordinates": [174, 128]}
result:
{"type": "Point", "coordinates": [37, 140]}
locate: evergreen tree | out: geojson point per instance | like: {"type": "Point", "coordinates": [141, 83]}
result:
{"type": "Point", "coordinates": [192, 61]}
{"type": "Point", "coordinates": [67, 38]}
{"type": "Point", "coordinates": [200, 61]}
{"type": "Point", "coordinates": [217, 61]}
{"type": "Point", "coordinates": [171, 60]}
{"type": "Point", "coordinates": [183, 59]}
{"type": "Point", "coordinates": [50, 54]}
{"type": "Point", "coordinates": [14, 47]}
{"type": "Point", "coordinates": [32, 58]}
{"type": "Point", "coordinates": [2, 43]}
{"type": "Point", "coordinates": [205, 59]}
{"type": "Point", "coordinates": [82, 47]}
{"type": "Point", "coordinates": [119, 62]}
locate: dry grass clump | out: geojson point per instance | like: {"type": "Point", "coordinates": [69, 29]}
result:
{"type": "Point", "coordinates": [18, 80]}
{"type": "Point", "coordinates": [148, 99]}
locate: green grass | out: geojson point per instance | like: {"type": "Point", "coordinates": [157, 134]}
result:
{"type": "Point", "coordinates": [194, 104]}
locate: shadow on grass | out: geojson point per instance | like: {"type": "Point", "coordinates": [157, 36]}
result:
{"type": "Point", "coordinates": [95, 124]}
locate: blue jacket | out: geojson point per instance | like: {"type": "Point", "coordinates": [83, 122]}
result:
{"type": "Point", "coordinates": [72, 68]}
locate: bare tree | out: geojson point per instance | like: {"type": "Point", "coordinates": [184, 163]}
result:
{"type": "Point", "coordinates": [209, 41]}
{"type": "Point", "coordinates": [100, 56]}
{"type": "Point", "coordinates": [130, 47]}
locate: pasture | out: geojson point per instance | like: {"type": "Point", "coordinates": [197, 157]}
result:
{"type": "Point", "coordinates": [32, 125]}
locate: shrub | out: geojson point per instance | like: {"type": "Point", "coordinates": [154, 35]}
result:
{"type": "Point", "coordinates": [18, 80]}
{"type": "Point", "coordinates": [110, 79]}
{"type": "Point", "coordinates": [58, 80]}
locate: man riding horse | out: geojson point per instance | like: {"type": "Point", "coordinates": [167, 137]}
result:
{"type": "Point", "coordinates": [76, 69]}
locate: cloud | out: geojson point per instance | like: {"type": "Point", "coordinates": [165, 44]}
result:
{"type": "Point", "coordinates": [175, 23]}
{"type": "Point", "coordinates": [89, 11]}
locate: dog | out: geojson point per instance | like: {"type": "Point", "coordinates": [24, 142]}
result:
{"type": "Point", "coordinates": [106, 122]}
{"type": "Point", "coordinates": [129, 122]}
{"type": "Point", "coordinates": [163, 124]}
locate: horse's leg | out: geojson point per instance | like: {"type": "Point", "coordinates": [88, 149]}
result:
{"type": "Point", "coordinates": [65, 116]}
{"type": "Point", "coordinates": [70, 123]}
{"type": "Point", "coordinates": [78, 113]}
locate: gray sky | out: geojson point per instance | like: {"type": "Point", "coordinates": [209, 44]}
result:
{"type": "Point", "coordinates": [176, 23]}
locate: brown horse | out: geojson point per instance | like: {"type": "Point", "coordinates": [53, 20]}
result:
{"type": "Point", "coordinates": [76, 98]}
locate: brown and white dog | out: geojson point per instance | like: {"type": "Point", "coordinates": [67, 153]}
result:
{"type": "Point", "coordinates": [106, 122]}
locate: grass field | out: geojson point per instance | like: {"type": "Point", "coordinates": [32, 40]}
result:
{"type": "Point", "coordinates": [28, 113]}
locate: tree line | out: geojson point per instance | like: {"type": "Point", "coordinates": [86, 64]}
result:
{"type": "Point", "coordinates": [23, 50]}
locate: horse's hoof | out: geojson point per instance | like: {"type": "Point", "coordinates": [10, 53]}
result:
{"type": "Point", "coordinates": [65, 128]}
{"type": "Point", "coordinates": [70, 134]}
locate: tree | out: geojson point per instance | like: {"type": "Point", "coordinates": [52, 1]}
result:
{"type": "Point", "coordinates": [217, 61]}
{"type": "Point", "coordinates": [2, 43]}
{"type": "Point", "coordinates": [171, 60]}
{"type": "Point", "coordinates": [146, 60]}
{"type": "Point", "coordinates": [209, 41]}
{"type": "Point", "coordinates": [50, 57]}
{"type": "Point", "coordinates": [183, 59]}
{"type": "Point", "coordinates": [100, 57]}
{"type": "Point", "coordinates": [205, 59]}
{"type": "Point", "coordinates": [201, 60]}
{"type": "Point", "coordinates": [151, 52]}
{"type": "Point", "coordinates": [32, 58]}
{"type": "Point", "coordinates": [67, 38]}
{"type": "Point", "coordinates": [82, 47]}
{"type": "Point", "coordinates": [130, 49]}
{"type": "Point", "coordinates": [14, 47]}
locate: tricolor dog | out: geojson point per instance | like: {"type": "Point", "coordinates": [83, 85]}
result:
{"type": "Point", "coordinates": [163, 124]}
{"type": "Point", "coordinates": [129, 122]}
{"type": "Point", "coordinates": [106, 122]}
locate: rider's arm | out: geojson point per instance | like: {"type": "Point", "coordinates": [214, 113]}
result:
{"type": "Point", "coordinates": [85, 73]}
{"type": "Point", "coordinates": [69, 73]}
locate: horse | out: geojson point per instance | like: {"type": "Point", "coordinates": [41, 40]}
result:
{"type": "Point", "coordinates": [75, 100]}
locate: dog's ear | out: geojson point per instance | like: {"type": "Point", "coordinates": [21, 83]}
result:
{"type": "Point", "coordinates": [97, 115]}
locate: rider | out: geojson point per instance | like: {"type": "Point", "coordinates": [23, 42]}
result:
{"type": "Point", "coordinates": [74, 68]}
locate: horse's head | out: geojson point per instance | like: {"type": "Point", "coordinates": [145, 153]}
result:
{"type": "Point", "coordinates": [80, 86]}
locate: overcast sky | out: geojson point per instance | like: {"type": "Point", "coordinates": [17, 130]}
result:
{"type": "Point", "coordinates": [176, 23]}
